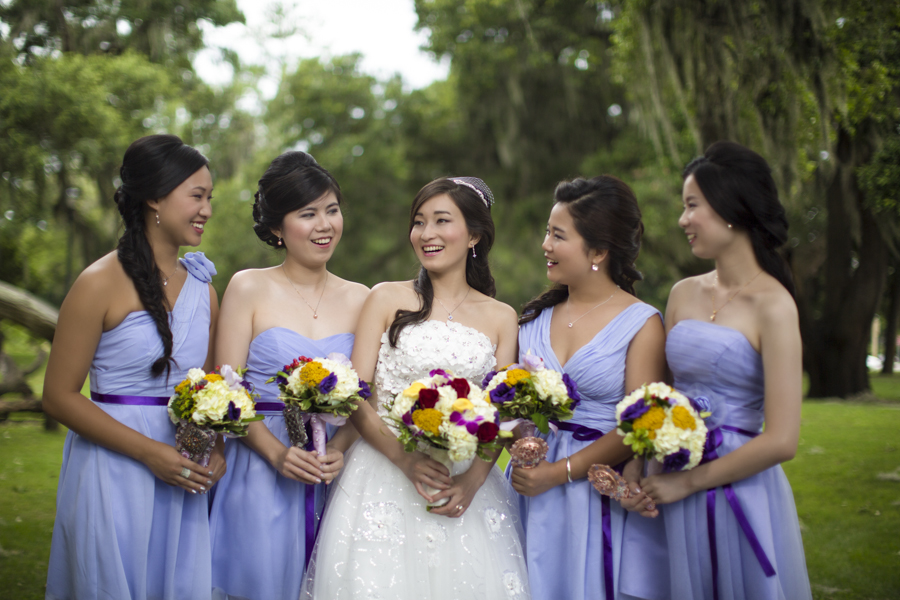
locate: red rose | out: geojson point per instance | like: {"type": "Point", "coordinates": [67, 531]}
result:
{"type": "Point", "coordinates": [487, 431]}
{"type": "Point", "coordinates": [461, 386]}
{"type": "Point", "coordinates": [428, 398]}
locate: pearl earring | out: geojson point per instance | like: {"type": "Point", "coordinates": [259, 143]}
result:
{"type": "Point", "coordinates": [157, 219]}
{"type": "Point", "coordinates": [594, 267]}
{"type": "Point", "coordinates": [279, 241]}
{"type": "Point", "coordinates": [729, 226]}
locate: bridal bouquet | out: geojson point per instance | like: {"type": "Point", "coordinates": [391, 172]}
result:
{"type": "Point", "coordinates": [529, 391]}
{"type": "Point", "coordinates": [318, 391]}
{"type": "Point", "coordinates": [206, 404]}
{"type": "Point", "coordinates": [660, 423]}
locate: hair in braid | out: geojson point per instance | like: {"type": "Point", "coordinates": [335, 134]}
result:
{"type": "Point", "coordinates": [479, 223]}
{"type": "Point", "coordinates": [607, 217]}
{"type": "Point", "coordinates": [153, 166]}
{"type": "Point", "coordinates": [292, 181]}
{"type": "Point", "coordinates": [737, 182]}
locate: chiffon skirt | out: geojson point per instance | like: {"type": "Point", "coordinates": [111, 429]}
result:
{"type": "Point", "coordinates": [121, 533]}
{"type": "Point", "coordinates": [377, 541]}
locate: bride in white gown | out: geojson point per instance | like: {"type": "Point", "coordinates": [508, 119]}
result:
{"type": "Point", "coordinates": [376, 539]}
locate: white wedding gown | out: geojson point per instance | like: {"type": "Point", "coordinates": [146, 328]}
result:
{"type": "Point", "coordinates": [376, 540]}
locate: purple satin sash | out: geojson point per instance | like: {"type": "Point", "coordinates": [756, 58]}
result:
{"type": "Point", "coordinates": [713, 441]}
{"type": "Point", "coordinates": [579, 432]}
{"type": "Point", "coordinates": [269, 406]}
{"type": "Point", "coordinates": [583, 433]}
{"type": "Point", "coordinates": [130, 400]}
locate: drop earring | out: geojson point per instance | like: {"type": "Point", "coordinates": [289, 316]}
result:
{"type": "Point", "coordinates": [279, 241]}
{"type": "Point", "coordinates": [157, 218]}
{"type": "Point", "coordinates": [473, 252]}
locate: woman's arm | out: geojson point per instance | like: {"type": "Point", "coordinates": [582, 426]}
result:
{"type": "Point", "coordinates": [78, 332]}
{"type": "Point", "coordinates": [375, 318]}
{"type": "Point", "coordinates": [645, 362]}
{"type": "Point", "coordinates": [217, 464]}
{"type": "Point", "coordinates": [782, 366]}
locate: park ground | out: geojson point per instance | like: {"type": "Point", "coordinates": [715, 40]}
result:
{"type": "Point", "coordinates": [845, 477]}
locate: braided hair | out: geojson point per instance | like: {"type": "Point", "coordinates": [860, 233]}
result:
{"type": "Point", "coordinates": [607, 217]}
{"type": "Point", "coordinates": [152, 167]}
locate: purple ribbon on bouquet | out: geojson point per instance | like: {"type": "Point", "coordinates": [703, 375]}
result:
{"type": "Point", "coordinates": [583, 433]}
{"type": "Point", "coordinates": [713, 441]}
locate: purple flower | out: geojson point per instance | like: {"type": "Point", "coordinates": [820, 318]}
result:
{"type": "Point", "coordinates": [502, 393]}
{"type": "Point", "coordinates": [676, 461]}
{"type": "Point", "coordinates": [339, 358]}
{"type": "Point", "coordinates": [472, 427]}
{"type": "Point", "coordinates": [635, 410]}
{"type": "Point", "coordinates": [440, 372]}
{"type": "Point", "coordinates": [487, 379]}
{"type": "Point", "coordinates": [700, 403]}
{"type": "Point", "coordinates": [327, 384]}
{"type": "Point", "coordinates": [571, 390]}
{"type": "Point", "coordinates": [234, 413]}
{"type": "Point", "coordinates": [455, 417]}
{"type": "Point", "coordinates": [532, 362]}
{"type": "Point", "coordinates": [407, 418]}
{"type": "Point", "coordinates": [365, 392]}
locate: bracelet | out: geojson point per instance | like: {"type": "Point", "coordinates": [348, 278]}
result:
{"type": "Point", "coordinates": [568, 469]}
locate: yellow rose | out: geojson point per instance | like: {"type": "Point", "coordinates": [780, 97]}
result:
{"type": "Point", "coordinates": [413, 390]}
{"type": "Point", "coordinates": [462, 405]}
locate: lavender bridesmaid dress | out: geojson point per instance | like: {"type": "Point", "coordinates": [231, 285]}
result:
{"type": "Point", "coordinates": [121, 533]}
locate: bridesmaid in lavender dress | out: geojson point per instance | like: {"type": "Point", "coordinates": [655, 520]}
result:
{"type": "Point", "coordinates": [265, 510]}
{"type": "Point", "coordinates": [731, 528]}
{"type": "Point", "coordinates": [590, 326]}
{"type": "Point", "coordinates": [131, 520]}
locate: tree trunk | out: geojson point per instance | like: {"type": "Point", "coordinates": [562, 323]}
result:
{"type": "Point", "coordinates": [30, 312]}
{"type": "Point", "coordinates": [836, 340]}
{"type": "Point", "coordinates": [890, 328]}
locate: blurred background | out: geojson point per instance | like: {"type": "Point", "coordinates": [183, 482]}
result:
{"type": "Point", "coordinates": [522, 93]}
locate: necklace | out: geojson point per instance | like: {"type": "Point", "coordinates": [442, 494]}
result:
{"type": "Point", "coordinates": [450, 312]}
{"type": "Point", "coordinates": [316, 309]}
{"type": "Point", "coordinates": [569, 308]}
{"type": "Point", "coordinates": [712, 317]}
{"type": "Point", "coordinates": [167, 277]}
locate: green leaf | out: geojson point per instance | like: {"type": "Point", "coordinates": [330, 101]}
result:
{"type": "Point", "coordinates": [541, 422]}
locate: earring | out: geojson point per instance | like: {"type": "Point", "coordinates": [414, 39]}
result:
{"type": "Point", "coordinates": [279, 241]}
{"type": "Point", "coordinates": [473, 252]}
{"type": "Point", "coordinates": [594, 267]}
{"type": "Point", "coordinates": [157, 218]}
{"type": "Point", "coordinates": [729, 226]}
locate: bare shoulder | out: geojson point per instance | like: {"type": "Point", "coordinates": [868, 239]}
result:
{"type": "Point", "coordinates": [776, 308]}
{"type": "Point", "coordinates": [392, 293]}
{"type": "Point", "coordinates": [101, 279]}
{"type": "Point", "coordinates": [683, 294]}
{"type": "Point", "coordinates": [352, 290]}
{"type": "Point", "coordinates": [501, 311]}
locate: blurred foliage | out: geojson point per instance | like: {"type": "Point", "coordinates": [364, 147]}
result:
{"type": "Point", "coordinates": [537, 92]}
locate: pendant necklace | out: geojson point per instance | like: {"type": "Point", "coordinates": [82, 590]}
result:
{"type": "Point", "coordinates": [569, 308]}
{"type": "Point", "coordinates": [315, 310]}
{"type": "Point", "coordinates": [450, 312]}
{"type": "Point", "coordinates": [712, 317]}
{"type": "Point", "coordinates": [166, 278]}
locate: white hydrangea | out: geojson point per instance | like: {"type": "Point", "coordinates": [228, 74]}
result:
{"type": "Point", "coordinates": [549, 384]}
{"type": "Point", "coordinates": [348, 380]}
{"type": "Point", "coordinates": [401, 405]}
{"type": "Point", "coordinates": [462, 444]}
{"type": "Point", "coordinates": [212, 402]}
{"type": "Point", "coordinates": [495, 381]}
{"type": "Point", "coordinates": [196, 376]}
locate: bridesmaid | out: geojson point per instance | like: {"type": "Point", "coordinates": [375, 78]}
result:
{"type": "Point", "coordinates": [131, 520]}
{"type": "Point", "coordinates": [591, 326]}
{"type": "Point", "coordinates": [734, 342]}
{"type": "Point", "coordinates": [264, 515]}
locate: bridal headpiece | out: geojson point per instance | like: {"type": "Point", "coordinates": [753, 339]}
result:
{"type": "Point", "coordinates": [480, 187]}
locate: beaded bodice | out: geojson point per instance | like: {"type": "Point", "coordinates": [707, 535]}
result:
{"type": "Point", "coordinates": [421, 347]}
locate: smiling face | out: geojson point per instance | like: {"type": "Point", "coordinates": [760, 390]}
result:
{"type": "Point", "coordinates": [311, 233]}
{"type": "Point", "coordinates": [183, 213]}
{"type": "Point", "coordinates": [568, 257]}
{"type": "Point", "coordinates": [439, 234]}
{"type": "Point", "coordinates": [706, 230]}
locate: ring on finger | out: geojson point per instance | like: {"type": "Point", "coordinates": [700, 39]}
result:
{"type": "Point", "coordinates": [185, 472]}
{"type": "Point", "coordinates": [460, 508]}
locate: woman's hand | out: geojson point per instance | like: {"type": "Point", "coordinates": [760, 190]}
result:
{"type": "Point", "coordinates": [669, 487]}
{"type": "Point", "coordinates": [540, 478]}
{"type": "Point", "coordinates": [332, 463]}
{"type": "Point", "coordinates": [169, 465]}
{"type": "Point", "coordinates": [460, 494]}
{"type": "Point", "coordinates": [300, 465]}
{"type": "Point", "coordinates": [425, 471]}
{"type": "Point", "coordinates": [217, 464]}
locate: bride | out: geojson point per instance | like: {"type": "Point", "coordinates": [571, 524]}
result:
{"type": "Point", "coordinates": [376, 539]}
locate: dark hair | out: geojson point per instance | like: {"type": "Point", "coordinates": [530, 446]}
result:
{"type": "Point", "coordinates": [292, 181]}
{"type": "Point", "coordinates": [606, 215]}
{"type": "Point", "coordinates": [738, 185]}
{"type": "Point", "coordinates": [152, 167]}
{"type": "Point", "coordinates": [475, 211]}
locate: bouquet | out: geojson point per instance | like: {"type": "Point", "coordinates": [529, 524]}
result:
{"type": "Point", "coordinates": [318, 391]}
{"type": "Point", "coordinates": [206, 404]}
{"type": "Point", "coordinates": [531, 392]}
{"type": "Point", "coordinates": [449, 418]}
